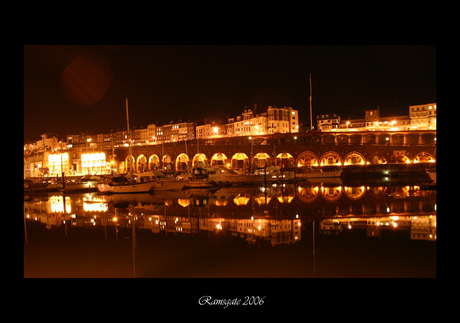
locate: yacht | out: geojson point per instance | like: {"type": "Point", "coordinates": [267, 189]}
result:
{"type": "Point", "coordinates": [224, 175]}
{"type": "Point", "coordinates": [140, 182]}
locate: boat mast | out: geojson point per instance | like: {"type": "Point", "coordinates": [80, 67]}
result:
{"type": "Point", "coordinates": [129, 140]}
{"type": "Point", "coordinates": [311, 115]}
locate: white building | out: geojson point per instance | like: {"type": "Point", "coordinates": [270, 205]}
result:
{"type": "Point", "coordinates": [250, 123]}
{"type": "Point", "coordinates": [423, 117]}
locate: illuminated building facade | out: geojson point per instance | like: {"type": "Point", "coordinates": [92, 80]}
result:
{"type": "Point", "coordinates": [282, 120]}
{"type": "Point", "coordinates": [250, 123]}
{"type": "Point", "coordinates": [421, 117]}
{"type": "Point", "coordinates": [94, 164]}
{"type": "Point", "coordinates": [58, 163]}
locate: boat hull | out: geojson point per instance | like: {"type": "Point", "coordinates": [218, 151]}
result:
{"type": "Point", "coordinates": [88, 186]}
{"type": "Point", "coordinates": [129, 188]}
{"type": "Point", "coordinates": [161, 185]}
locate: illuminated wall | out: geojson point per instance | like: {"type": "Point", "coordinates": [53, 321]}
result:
{"type": "Point", "coordinates": [94, 163]}
{"type": "Point", "coordinates": [54, 164]}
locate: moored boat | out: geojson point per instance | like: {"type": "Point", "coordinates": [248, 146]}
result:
{"type": "Point", "coordinates": [224, 175]}
{"type": "Point", "coordinates": [140, 182]}
{"type": "Point", "coordinates": [86, 183]}
{"type": "Point", "coordinates": [193, 181]}
{"type": "Point", "coordinates": [274, 174]}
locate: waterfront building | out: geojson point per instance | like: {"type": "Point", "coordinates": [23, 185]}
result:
{"type": "Point", "coordinates": [49, 142]}
{"type": "Point", "coordinates": [282, 120]}
{"type": "Point", "coordinates": [140, 136]}
{"type": "Point", "coordinates": [423, 117]}
{"type": "Point", "coordinates": [260, 121]}
{"type": "Point", "coordinates": [252, 122]}
{"type": "Point", "coordinates": [210, 130]}
{"type": "Point", "coordinates": [327, 122]}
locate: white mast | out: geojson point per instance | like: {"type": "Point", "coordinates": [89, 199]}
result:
{"type": "Point", "coordinates": [130, 173]}
{"type": "Point", "coordinates": [311, 114]}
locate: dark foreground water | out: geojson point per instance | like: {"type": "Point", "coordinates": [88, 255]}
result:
{"type": "Point", "coordinates": [312, 230]}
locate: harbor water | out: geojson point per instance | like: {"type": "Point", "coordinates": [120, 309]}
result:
{"type": "Point", "coordinates": [323, 229]}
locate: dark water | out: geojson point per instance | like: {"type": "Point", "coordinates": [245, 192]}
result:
{"type": "Point", "coordinates": [312, 230]}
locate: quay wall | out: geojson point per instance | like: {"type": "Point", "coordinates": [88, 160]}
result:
{"type": "Point", "coordinates": [354, 151]}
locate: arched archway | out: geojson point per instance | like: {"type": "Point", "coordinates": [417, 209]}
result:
{"type": "Point", "coordinates": [284, 160]}
{"type": "Point", "coordinates": [354, 158]}
{"type": "Point", "coordinates": [199, 159]}
{"type": "Point", "coordinates": [127, 166]}
{"type": "Point", "coordinates": [182, 162]}
{"type": "Point", "coordinates": [141, 164]}
{"type": "Point", "coordinates": [154, 162]}
{"type": "Point", "coordinates": [262, 160]}
{"type": "Point", "coordinates": [240, 161]}
{"type": "Point", "coordinates": [331, 158]}
{"type": "Point", "coordinates": [424, 157]}
{"type": "Point", "coordinates": [376, 158]}
{"type": "Point", "coordinates": [219, 159]}
{"type": "Point", "coordinates": [399, 158]}
{"type": "Point", "coordinates": [307, 158]}
{"type": "Point", "coordinates": [168, 163]}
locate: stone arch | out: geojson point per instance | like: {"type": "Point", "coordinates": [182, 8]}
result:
{"type": "Point", "coordinates": [167, 162]}
{"type": "Point", "coordinates": [331, 158]}
{"type": "Point", "coordinates": [219, 159]}
{"type": "Point", "coordinates": [284, 160]}
{"type": "Point", "coordinates": [399, 158]}
{"type": "Point", "coordinates": [262, 160]}
{"type": "Point", "coordinates": [154, 162]}
{"type": "Point", "coordinates": [424, 157]}
{"type": "Point", "coordinates": [354, 158]}
{"type": "Point", "coordinates": [307, 158]}
{"type": "Point", "coordinates": [199, 159]}
{"type": "Point", "coordinates": [376, 158]}
{"type": "Point", "coordinates": [240, 161]}
{"type": "Point", "coordinates": [182, 162]}
{"type": "Point", "coordinates": [126, 164]}
{"type": "Point", "coordinates": [141, 164]}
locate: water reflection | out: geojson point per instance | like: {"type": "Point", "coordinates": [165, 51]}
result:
{"type": "Point", "coordinates": [263, 216]}
{"type": "Point", "coordinates": [251, 213]}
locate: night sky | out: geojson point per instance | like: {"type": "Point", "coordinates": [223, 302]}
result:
{"type": "Point", "coordinates": [69, 89]}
